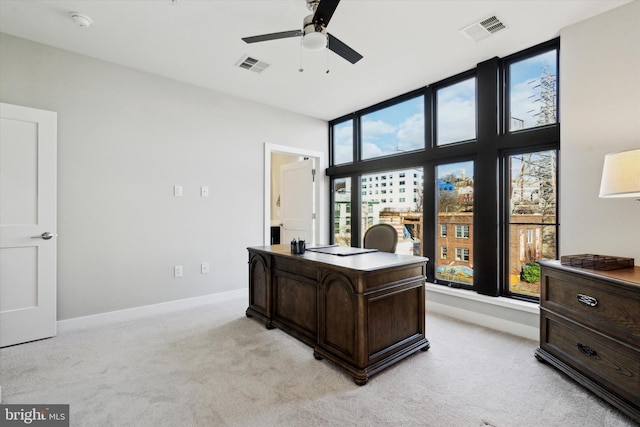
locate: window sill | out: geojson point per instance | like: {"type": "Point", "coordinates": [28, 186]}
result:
{"type": "Point", "coordinates": [508, 315]}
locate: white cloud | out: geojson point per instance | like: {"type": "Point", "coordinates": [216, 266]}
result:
{"type": "Point", "coordinates": [374, 128]}
{"type": "Point", "coordinates": [457, 112]}
{"type": "Point", "coordinates": [411, 133]}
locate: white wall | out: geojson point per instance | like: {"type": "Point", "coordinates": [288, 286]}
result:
{"type": "Point", "coordinates": [599, 114]}
{"type": "Point", "coordinates": [124, 139]}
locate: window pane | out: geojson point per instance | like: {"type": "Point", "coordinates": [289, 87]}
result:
{"type": "Point", "coordinates": [456, 112]}
{"type": "Point", "coordinates": [394, 129]}
{"type": "Point", "coordinates": [404, 213]}
{"type": "Point", "coordinates": [342, 211]}
{"type": "Point", "coordinates": [454, 193]}
{"type": "Point", "coordinates": [532, 218]}
{"type": "Point", "coordinates": [532, 91]}
{"type": "Point", "coordinates": [343, 142]}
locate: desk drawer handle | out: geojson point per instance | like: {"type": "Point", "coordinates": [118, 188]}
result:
{"type": "Point", "coordinates": [587, 300]}
{"type": "Point", "coordinates": [586, 350]}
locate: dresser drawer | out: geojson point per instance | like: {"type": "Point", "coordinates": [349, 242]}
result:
{"type": "Point", "coordinates": [612, 364]}
{"type": "Point", "coordinates": [601, 305]}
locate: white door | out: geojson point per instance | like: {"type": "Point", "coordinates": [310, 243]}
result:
{"type": "Point", "coordinates": [28, 147]}
{"type": "Point", "coordinates": [298, 201]}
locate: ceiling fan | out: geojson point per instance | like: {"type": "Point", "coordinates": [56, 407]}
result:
{"type": "Point", "coordinates": [314, 31]}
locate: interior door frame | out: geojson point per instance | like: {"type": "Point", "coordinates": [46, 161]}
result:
{"type": "Point", "coordinates": [320, 181]}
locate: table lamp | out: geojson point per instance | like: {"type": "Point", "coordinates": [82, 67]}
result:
{"type": "Point", "coordinates": [621, 174]}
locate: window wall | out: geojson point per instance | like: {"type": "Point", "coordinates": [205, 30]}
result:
{"type": "Point", "coordinates": [465, 168]}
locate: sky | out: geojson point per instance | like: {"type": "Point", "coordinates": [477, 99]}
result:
{"type": "Point", "coordinates": [525, 75]}
{"type": "Point", "coordinates": [393, 129]}
{"type": "Point", "coordinates": [457, 169]}
{"type": "Point", "coordinates": [456, 111]}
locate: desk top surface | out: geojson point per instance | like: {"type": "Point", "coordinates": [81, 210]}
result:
{"type": "Point", "coordinates": [369, 261]}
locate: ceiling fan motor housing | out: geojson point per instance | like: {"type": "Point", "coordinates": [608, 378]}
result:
{"type": "Point", "coordinates": [314, 36]}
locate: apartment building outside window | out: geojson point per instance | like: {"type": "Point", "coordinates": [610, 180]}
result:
{"type": "Point", "coordinates": [484, 140]}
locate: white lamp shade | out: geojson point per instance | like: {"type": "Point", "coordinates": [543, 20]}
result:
{"type": "Point", "coordinates": [621, 174]}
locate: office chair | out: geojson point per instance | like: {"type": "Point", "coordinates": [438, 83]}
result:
{"type": "Point", "coordinates": [382, 237]}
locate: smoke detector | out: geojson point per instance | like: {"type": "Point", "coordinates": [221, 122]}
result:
{"type": "Point", "coordinates": [82, 20]}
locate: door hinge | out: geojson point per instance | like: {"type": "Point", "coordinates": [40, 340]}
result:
{"type": "Point", "coordinates": [313, 175]}
{"type": "Point", "coordinates": [313, 216]}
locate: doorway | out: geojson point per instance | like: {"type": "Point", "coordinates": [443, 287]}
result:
{"type": "Point", "coordinates": [275, 156]}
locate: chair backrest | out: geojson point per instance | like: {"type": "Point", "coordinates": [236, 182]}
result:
{"type": "Point", "coordinates": [382, 237]}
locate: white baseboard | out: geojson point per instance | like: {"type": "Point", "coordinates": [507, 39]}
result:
{"type": "Point", "coordinates": [147, 310]}
{"type": "Point", "coordinates": [504, 314]}
{"type": "Point", "coordinates": [508, 315]}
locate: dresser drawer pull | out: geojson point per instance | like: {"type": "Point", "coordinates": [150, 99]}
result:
{"type": "Point", "coordinates": [586, 350]}
{"type": "Point", "coordinates": [587, 300]}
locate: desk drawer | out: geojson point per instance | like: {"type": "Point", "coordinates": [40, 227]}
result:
{"type": "Point", "coordinates": [608, 362]}
{"type": "Point", "coordinates": [297, 267]}
{"type": "Point", "coordinates": [598, 304]}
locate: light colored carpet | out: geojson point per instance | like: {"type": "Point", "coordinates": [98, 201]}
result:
{"type": "Point", "coordinates": [212, 366]}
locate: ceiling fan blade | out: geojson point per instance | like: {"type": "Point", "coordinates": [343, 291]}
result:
{"type": "Point", "coordinates": [343, 50]}
{"type": "Point", "coordinates": [272, 36]}
{"type": "Point", "coordinates": [324, 12]}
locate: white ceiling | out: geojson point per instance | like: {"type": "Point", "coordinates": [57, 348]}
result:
{"type": "Point", "coordinates": [406, 44]}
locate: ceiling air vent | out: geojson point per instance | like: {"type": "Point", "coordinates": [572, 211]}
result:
{"type": "Point", "coordinates": [483, 29]}
{"type": "Point", "coordinates": [252, 64]}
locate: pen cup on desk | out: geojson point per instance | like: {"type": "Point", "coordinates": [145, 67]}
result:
{"type": "Point", "coordinates": [298, 246]}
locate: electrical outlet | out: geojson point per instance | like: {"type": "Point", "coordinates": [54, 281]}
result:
{"type": "Point", "coordinates": [204, 191]}
{"type": "Point", "coordinates": [177, 190]}
{"type": "Point", "coordinates": [204, 268]}
{"type": "Point", "coordinates": [177, 271]}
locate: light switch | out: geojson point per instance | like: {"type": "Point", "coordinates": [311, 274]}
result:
{"type": "Point", "coordinates": [177, 190]}
{"type": "Point", "coordinates": [177, 271]}
{"type": "Point", "coordinates": [204, 268]}
{"type": "Point", "coordinates": [204, 191]}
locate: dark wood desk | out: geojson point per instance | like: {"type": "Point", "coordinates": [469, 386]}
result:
{"type": "Point", "coordinates": [362, 312]}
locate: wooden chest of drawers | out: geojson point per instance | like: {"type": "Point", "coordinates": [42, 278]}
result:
{"type": "Point", "coordinates": [590, 330]}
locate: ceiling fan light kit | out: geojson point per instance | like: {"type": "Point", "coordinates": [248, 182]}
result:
{"type": "Point", "coordinates": [314, 32]}
{"type": "Point", "coordinates": [314, 41]}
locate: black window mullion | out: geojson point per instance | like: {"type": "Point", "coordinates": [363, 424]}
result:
{"type": "Point", "coordinates": [356, 138]}
{"type": "Point", "coordinates": [356, 208]}
{"type": "Point", "coordinates": [485, 211]}
{"type": "Point", "coordinates": [429, 219]}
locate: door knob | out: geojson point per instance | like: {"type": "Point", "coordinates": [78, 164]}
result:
{"type": "Point", "coordinates": [45, 236]}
